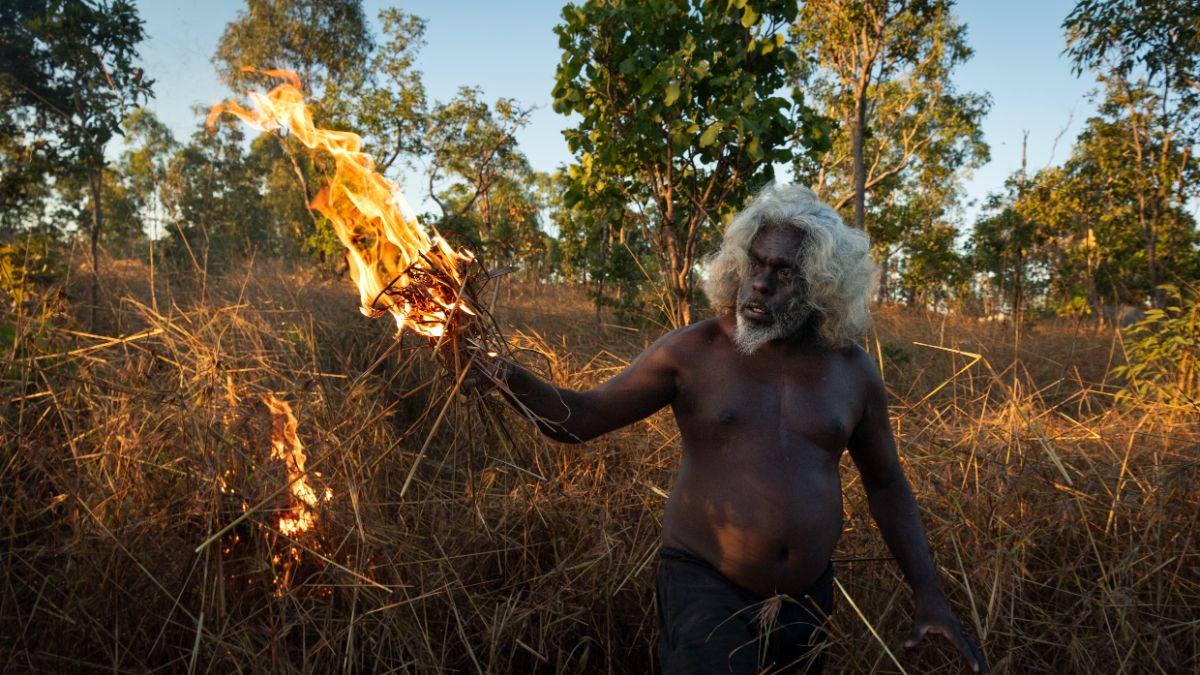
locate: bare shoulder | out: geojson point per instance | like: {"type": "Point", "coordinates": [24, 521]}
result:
{"type": "Point", "coordinates": [860, 358]}
{"type": "Point", "coordinates": [694, 335]}
{"type": "Point", "coordinates": [863, 367]}
{"type": "Point", "coordinates": [687, 343]}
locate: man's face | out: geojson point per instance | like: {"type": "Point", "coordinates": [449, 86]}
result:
{"type": "Point", "coordinates": [772, 299]}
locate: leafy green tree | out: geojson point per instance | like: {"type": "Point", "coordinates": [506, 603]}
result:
{"type": "Point", "coordinates": [215, 200]}
{"type": "Point", "coordinates": [1163, 352]}
{"type": "Point", "coordinates": [933, 272]}
{"type": "Point", "coordinates": [1101, 212]}
{"type": "Point", "coordinates": [352, 85]}
{"type": "Point", "coordinates": [391, 110]}
{"type": "Point", "coordinates": [1147, 57]}
{"type": "Point", "coordinates": [1007, 245]}
{"type": "Point", "coordinates": [480, 180]}
{"type": "Point", "coordinates": [326, 42]}
{"type": "Point", "coordinates": [473, 143]}
{"type": "Point", "coordinates": [1130, 39]}
{"type": "Point", "coordinates": [69, 76]}
{"type": "Point", "coordinates": [294, 229]}
{"type": "Point", "coordinates": [881, 70]}
{"type": "Point", "coordinates": [149, 147]}
{"type": "Point", "coordinates": [602, 246]}
{"type": "Point", "coordinates": [504, 224]}
{"type": "Point", "coordinates": [683, 110]}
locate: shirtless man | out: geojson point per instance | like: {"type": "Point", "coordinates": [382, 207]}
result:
{"type": "Point", "coordinates": [767, 398]}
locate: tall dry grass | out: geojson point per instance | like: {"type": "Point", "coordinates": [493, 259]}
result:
{"type": "Point", "coordinates": [141, 504]}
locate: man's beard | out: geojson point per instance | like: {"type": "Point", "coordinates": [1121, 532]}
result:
{"type": "Point", "coordinates": [748, 337]}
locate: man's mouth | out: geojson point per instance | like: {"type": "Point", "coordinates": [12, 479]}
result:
{"type": "Point", "coordinates": [753, 310]}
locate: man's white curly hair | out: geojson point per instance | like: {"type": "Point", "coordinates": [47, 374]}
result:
{"type": "Point", "coordinates": [835, 260]}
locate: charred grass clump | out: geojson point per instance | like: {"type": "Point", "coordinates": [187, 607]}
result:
{"type": "Point", "coordinates": [144, 508]}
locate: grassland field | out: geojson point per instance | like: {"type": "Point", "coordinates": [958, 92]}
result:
{"type": "Point", "coordinates": [140, 527]}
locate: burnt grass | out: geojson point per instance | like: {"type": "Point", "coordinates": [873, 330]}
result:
{"type": "Point", "coordinates": [141, 503]}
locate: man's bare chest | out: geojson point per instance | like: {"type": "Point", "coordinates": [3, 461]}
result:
{"type": "Point", "coordinates": [787, 404]}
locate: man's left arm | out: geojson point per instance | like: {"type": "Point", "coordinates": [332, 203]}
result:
{"type": "Point", "coordinates": [872, 446]}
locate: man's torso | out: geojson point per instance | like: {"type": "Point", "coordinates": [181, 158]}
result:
{"type": "Point", "coordinates": [758, 493]}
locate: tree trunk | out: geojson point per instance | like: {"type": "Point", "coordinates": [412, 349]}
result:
{"type": "Point", "coordinates": [881, 292]}
{"type": "Point", "coordinates": [95, 179]}
{"type": "Point", "coordinates": [603, 269]}
{"type": "Point", "coordinates": [683, 299]}
{"type": "Point", "coordinates": [856, 145]}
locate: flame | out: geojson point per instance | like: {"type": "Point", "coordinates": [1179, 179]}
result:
{"type": "Point", "coordinates": [397, 267]}
{"type": "Point", "coordinates": [286, 446]}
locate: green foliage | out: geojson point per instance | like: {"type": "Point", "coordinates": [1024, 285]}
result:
{"type": "Point", "coordinates": [1007, 245]}
{"type": "Point", "coordinates": [1147, 57]}
{"type": "Point", "coordinates": [352, 85]}
{"type": "Point", "coordinates": [1114, 217]}
{"type": "Point", "coordinates": [285, 170]}
{"type": "Point", "coordinates": [31, 260]}
{"type": "Point", "coordinates": [683, 109]}
{"type": "Point", "coordinates": [605, 249]}
{"type": "Point", "coordinates": [68, 74]}
{"type": "Point", "coordinates": [1162, 352]}
{"type": "Point", "coordinates": [1157, 40]}
{"type": "Point", "coordinates": [216, 206]}
{"type": "Point", "coordinates": [893, 61]}
{"type": "Point", "coordinates": [31, 266]}
{"type": "Point", "coordinates": [391, 112]}
{"type": "Point", "coordinates": [326, 42]}
{"type": "Point", "coordinates": [489, 196]}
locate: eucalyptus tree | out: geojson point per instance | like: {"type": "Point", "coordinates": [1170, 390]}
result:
{"type": "Point", "coordinates": [1007, 245]}
{"type": "Point", "coordinates": [472, 143]}
{"type": "Point", "coordinates": [215, 200]}
{"type": "Point", "coordinates": [881, 69]}
{"type": "Point", "coordinates": [353, 82]}
{"type": "Point", "coordinates": [683, 107]}
{"type": "Point", "coordinates": [1092, 208]}
{"type": "Point", "coordinates": [69, 76]}
{"type": "Point", "coordinates": [325, 42]}
{"type": "Point", "coordinates": [1146, 55]}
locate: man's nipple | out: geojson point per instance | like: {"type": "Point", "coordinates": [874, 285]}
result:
{"type": "Point", "coordinates": [728, 416]}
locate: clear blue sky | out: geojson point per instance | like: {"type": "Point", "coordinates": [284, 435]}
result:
{"type": "Point", "coordinates": [510, 50]}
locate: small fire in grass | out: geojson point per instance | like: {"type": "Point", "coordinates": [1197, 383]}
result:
{"type": "Point", "coordinates": [270, 481]}
{"type": "Point", "coordinates": [286, 446]}
{"type": "Point", "coordinates": [398, 268]}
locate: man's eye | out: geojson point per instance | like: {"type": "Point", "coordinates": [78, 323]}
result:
{"type": "Point", "coordinates": [786, 274]}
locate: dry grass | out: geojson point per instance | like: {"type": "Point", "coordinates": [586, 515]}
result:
{"type": "Point", "coordinates": [458, 541]}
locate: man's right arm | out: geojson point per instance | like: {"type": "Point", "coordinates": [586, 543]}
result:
{"type": "Point", "coordinates": [645, 386]}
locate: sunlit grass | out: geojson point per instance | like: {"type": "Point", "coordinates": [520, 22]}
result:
{"type": "Point", "coordinates": [1063, 523]}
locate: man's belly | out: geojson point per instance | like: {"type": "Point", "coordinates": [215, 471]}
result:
{"type": "Point", "coordinates": [768, 529]}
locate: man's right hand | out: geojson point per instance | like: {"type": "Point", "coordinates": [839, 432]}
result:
{"type": "Point", "coordinates": [936, 617]}
{"type": "Point", "coordinates": [485, 372]}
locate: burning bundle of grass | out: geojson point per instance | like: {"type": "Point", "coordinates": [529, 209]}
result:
{"type": "Point", "coordinates": [427, 285]}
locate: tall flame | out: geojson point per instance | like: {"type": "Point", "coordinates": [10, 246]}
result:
{"type": "Point", "coordinates": [397, 267]}
{"type": "Point", "coordinates": [286, 446]}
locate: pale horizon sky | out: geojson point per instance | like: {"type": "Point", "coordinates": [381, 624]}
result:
{"type": "Point", "coordinates": [513, 52]}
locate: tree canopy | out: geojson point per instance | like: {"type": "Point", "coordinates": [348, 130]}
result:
{"type": "Point", "coordinates": [685, 108]}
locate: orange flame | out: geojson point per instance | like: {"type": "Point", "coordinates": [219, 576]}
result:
{"type": "Point", "coordinates": [397, 267]}
{"type": "Point", "coordinates": [286, 446]}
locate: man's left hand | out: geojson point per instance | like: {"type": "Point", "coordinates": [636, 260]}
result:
{"type": "Point", "coordinates": [937, 618]}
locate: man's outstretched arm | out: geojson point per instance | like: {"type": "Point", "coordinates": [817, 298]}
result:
{"type": "Point", "coordinates": [644, 387]}
{"type": "Point", "coordinates": [873, 449]}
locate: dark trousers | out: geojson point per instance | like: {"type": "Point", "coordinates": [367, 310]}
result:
{"type": "Point", "coordinates": [710, 625]}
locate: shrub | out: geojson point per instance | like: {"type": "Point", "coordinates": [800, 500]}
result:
{"type": "Point", "coordinates": [1162, 352]}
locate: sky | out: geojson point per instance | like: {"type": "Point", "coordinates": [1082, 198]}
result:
{"type": "Point", "coordinates": [510, 50]}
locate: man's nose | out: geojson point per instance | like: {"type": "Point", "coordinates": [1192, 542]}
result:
{"type": "Point", "coordinates": [761, 282]}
